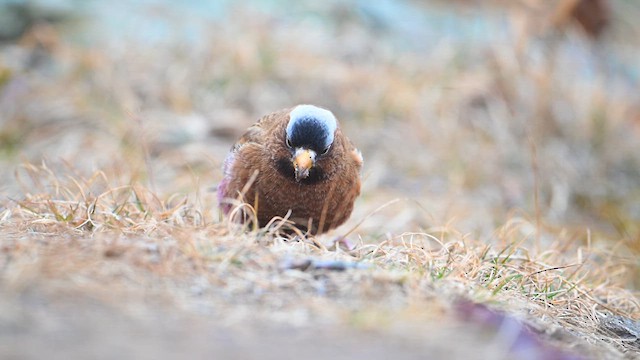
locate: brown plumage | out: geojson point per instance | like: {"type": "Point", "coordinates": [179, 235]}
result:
{"type": "Point", "coordinates": [295, 159]}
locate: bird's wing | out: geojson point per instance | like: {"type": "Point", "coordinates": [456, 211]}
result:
{"type": "Point", "coordinates": [357, 157]}
{"type": "Point", "coordinates": [258, 133]}
{"type": "Point", "coordinates": [245, 150]}
{"type": "Point", "coordinates": [354, 153]}
{"type": "Point", "coordinates": [252, 135]}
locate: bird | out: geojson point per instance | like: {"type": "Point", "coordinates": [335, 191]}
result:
{"type": "Point", "coordinates": [294, 162]}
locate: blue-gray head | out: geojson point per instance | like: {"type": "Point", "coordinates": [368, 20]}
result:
{"type": "Point", "coordinates": [310, 133]}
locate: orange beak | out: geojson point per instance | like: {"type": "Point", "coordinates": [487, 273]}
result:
{"type": "Point", "coordinates": [303, 161]}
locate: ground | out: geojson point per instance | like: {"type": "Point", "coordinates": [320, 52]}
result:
{"type": "Point", "coordinates": [499, 210]}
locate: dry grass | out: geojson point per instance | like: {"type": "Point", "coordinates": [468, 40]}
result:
{"type": "Point", "coordinates": [497, 172]}
{"type": "Point", "coordinates": [81, 234]}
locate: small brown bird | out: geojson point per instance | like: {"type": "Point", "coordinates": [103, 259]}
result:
{"type": "Point", "coordinates": [294, 160]}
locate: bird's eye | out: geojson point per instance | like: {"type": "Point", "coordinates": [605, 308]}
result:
{"type": "Point", "coordinates": [326, 150]}
{"type": "Point", "coordinates": [288, 142]}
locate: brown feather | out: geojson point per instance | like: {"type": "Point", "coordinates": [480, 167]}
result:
{"type": "Point", "coordinates": [263, 148]}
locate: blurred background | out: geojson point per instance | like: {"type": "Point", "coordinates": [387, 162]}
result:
{"type": "Point", "coordinates": [469, 112]}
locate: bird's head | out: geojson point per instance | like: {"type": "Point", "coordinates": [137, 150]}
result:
{"type": "Point", "coordinates": [309, 136]}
